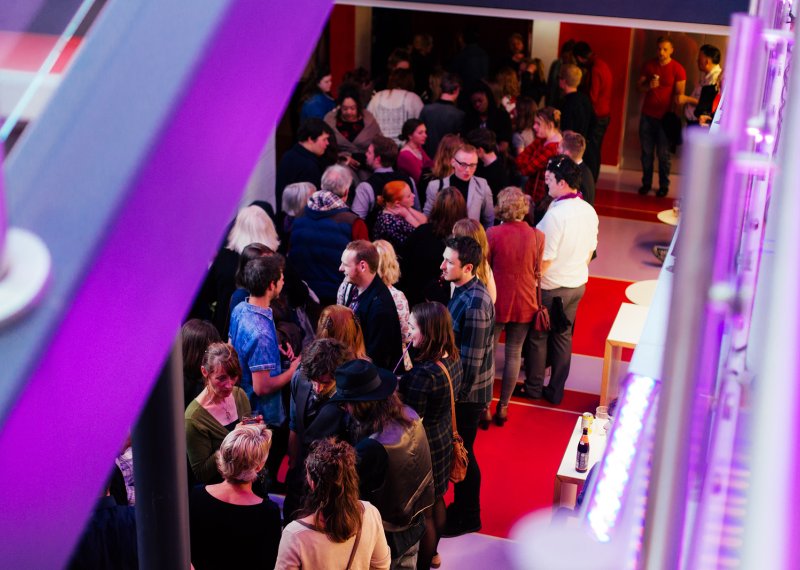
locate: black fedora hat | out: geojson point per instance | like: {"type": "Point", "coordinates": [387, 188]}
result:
{"type": "Point", "coordinates": [362, 381]}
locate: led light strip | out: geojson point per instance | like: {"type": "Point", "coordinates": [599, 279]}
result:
{"type": "Point", "coordinates": [616, 468]}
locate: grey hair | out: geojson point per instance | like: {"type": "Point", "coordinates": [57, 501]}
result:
{"type": "Point", "coordinates": [252, 225]}
{"type": "Point", "coordinates": [336, 179]}
{"type": "Point", "coordinates": [295, 197]}
{"type": "Point", "coordinates": [243, 453]}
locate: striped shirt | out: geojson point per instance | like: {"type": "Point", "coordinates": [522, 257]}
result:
{"type": "Point", "coordinates": [472, 311]}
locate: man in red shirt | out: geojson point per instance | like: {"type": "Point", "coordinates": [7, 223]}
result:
{"type": "Point", "coordinates": [598, 84]}
{"type": "Point", "coordinates": [662, 80]}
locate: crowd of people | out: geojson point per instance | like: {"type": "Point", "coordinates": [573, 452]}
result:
{"type": "Point", "coordinates": [353, 331]}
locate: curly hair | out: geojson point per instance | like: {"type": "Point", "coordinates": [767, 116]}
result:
{"type": "Point", "coordinates": [512, 205]}
{"type": "Point", "coordinates": [333, 495]}
{"type": "Point", "coordinates": [243, 453]}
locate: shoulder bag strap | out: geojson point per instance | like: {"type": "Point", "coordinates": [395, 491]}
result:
{"type": "Point", "coordinates": [358, 539]}
{"type": "Point", "coordinates": [537, 269]}
{"type": "Point", "coordinates": [452, 398]}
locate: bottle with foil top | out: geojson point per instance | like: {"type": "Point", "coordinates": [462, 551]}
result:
{"type": "Point", "coordinates": [582, 461]}
{"type": "Point", "coordinates": [586, 421]}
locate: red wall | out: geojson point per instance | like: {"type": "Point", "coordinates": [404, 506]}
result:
{"type": "Point", "coordinates": [342, 42]}
{"type": "Point", "coordinates": [612, 45]}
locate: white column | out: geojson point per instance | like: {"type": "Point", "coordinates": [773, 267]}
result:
{"type": "Point", "coordinates": [544, 44]}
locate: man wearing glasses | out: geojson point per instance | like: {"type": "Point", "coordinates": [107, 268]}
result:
{"type": "Point", "coordinates": [475, 190]}
{"type": "Point", "coordinates": [570, 237]}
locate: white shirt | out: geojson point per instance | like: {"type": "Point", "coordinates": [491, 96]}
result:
{"type": "Point", "coordinates": [710, 78]}
{"type": "Point", "coordinates": [570, 236]}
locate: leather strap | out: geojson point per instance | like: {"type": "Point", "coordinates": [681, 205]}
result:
{"type": "Point", "coordinates": [358, 539]}
{"type": "Point", "coordinates": [452, 398]}
{"type": "Point", "coordinates": [537, 269]}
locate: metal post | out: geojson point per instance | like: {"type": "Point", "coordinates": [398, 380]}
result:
{"type": "Point", "coordinates": [159, 447]}
{"type": "Point", "coordinates": [774, 488]}
{"type": "Point", "coordinates": [694, 331]}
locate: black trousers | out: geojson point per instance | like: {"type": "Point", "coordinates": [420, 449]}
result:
{"type": "Point", "coordinates": [467, 493]}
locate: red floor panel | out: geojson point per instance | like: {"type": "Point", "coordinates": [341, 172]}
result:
{"type": "Point", "coordinates": [596, 314]}
{"type": "Point", "coordinates": [630, 206]}
{"type": "Point", "coordinates": [518, 465]}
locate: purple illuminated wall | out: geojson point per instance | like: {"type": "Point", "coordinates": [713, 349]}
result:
{"type": "Point", "coordinates": [98, 365]}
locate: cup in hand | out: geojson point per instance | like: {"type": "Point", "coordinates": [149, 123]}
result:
{"type": "Point", "coordinates": [601, 413]}
{"type": "Point", "coordinates": [250, 419]}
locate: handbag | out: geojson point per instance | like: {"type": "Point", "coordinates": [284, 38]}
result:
{"type": "Point", "coordinates": [541, 317]}
{"type": "Point", "coordinates": [458, 469]}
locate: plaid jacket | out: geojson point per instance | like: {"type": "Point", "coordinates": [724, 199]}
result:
{"type": "Point", "coordinates": [472, 311]}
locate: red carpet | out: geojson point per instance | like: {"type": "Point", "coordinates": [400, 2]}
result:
{"type": "Point", "coordinates": [518, 465]}
{"type": "Point", "coordinates": [596, 314]}
{"type": "Point", "coordinates": [629, 206]}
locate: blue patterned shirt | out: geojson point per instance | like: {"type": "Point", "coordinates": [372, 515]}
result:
{"type": "Point", "coordinates": [252, 333]}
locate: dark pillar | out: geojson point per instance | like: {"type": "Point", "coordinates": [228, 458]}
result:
{"type": "Point", "coordinates": [159, 447]}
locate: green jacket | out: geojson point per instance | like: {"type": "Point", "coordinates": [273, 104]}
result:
{"type": "Point", "coordinates": [204, 435]}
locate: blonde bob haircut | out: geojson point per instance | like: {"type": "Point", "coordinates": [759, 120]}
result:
{"type": "Point", "coordinates": [252, 225]}
{"type": "Point", "coordinates": [243, 453]}
{"type": "Point", "coordinates": [388, 267]}
{"type": "Point", "coordinates": [512, 205]}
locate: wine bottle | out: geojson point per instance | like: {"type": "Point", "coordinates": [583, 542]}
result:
{"type": "Point", "coordinates": [582, 461]}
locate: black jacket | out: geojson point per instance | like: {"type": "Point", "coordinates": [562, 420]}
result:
{"type": "Point", "coordinates": [377, 314]}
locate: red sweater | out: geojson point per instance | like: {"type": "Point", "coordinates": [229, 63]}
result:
{"type": "Point", "coordinates": [532, 163]}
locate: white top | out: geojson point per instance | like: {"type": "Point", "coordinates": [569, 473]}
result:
{"type": "Point", "coordinates": [392, 108]}
{"type": "Point", "coordinates": [711, 78]}
{"type": "Point", "coordinates": [570, 236]}
{"type": "Point", "coordinates": [303, 547]}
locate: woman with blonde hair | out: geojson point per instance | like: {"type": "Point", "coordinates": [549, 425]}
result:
{"type": "Point", "coordinates": [337, 530]}
{"type": "Point", "coordinates": [252, 225]}
{"type": "Point", "coordinates": [230, 513]}
{"type": "Point", "coordinates": [340, 323]}
{"type": "Point", "coordinates": [515, 255]}
{"type": "Point", "coordinates": [397, 218]}
{"type": "Point", "coordinates": [474, 229]}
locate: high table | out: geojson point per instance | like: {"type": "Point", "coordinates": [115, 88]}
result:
{"type": "Point", "coordinates": [625, 333]}
{"type": "Point", "coordinates": [566, 471]}
{"type": "Point", "coordinates": [668, 217]}
{"type": "Point", "coordinates": [641, 292]}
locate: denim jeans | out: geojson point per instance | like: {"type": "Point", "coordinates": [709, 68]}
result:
{"type": "Point", "coordinates": [515, 339]}
{"type": "Point", "coordinates": [556, 348]}
{"type": "Point", "coordinates": [653, 137]}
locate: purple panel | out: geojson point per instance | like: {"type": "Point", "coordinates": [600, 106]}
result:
{"type": "Point", "coordinates": [78, 406]}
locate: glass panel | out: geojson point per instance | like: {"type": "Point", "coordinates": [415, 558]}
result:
{"type": "Point", "coordinates": [38, 39]}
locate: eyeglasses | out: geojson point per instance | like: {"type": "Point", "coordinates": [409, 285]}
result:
{"type": "Point", "coordinates": [466, 164]}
